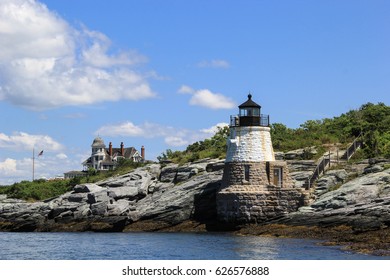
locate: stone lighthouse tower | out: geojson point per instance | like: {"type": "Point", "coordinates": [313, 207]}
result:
{"type": "Point", "coordinates": [255, 187]}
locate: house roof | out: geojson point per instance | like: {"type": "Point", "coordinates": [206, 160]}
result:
{"type": "Point", "coordinates": [128, 152]}
{"type": "Point", "coordinates": [98, 142]}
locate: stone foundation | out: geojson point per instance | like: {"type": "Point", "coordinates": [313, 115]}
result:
{"type": "Point", "coordinates": [243, 205]}
{"type": "Point", "coordinates": [251, 192]}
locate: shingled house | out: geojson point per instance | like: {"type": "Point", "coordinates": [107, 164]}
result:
{"type": "Point", "coordinates": [106, 159]}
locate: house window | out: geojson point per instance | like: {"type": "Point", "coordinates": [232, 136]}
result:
{"type": "Point", "coordinates": [246, 172]}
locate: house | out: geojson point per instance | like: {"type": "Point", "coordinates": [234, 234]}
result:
{"type": "Point", "coordinates": [106, 159]}
{"type": "Point", "coordinates": [75, 174]}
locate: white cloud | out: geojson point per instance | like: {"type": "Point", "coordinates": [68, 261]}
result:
{"type": "Point", "coordinates": [207, 98]}
{"type": "Point", "coordinates": [49, 166]}
{"type": "Point", "coordinates": [22, 141]}
{"type": "Point", "coordinates": [61, 156]}
{"type": "Point", "coordinates": [46, 63]}
{"type": "Point", "coordinates": [12, 170]}
{"type": "Point", "coordinates": [185, 89]}
{"type": "Point", "coordinates": [214, 129]}
{"type": "Point", "coordinates": [175, 141]}
{"type": "Point", "coordinates": [8, 166]}
{"type": "Point", "coordinates": [122, 129]}
{"type": "Point", "coordinates": [174, 137]}
{"type": "Point", "coordinates": [215, 63]}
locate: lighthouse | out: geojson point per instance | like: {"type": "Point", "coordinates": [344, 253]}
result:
{"type": "Point", "coordinates": [255, 187]}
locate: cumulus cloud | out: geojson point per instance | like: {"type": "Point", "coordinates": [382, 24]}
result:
{"type": "Point", "coordinates": [61, 156]}
{"type": "Point", "coordinates": [175, 141]}
{"type": "Point", "coordinates": [8, 166]}
{"type": "Point", "coordinates": [174, 137]}
{"type": "Point", "coordinates": [215, 63]}
{"type": "Point", "coordinates": [214, 129]}
{"type": "Point", "coordinates": [186, 90]}
{"type": "Point", "coordinates": [47, 63]}
{"type": "Point", "coordinates": [12, 170]}
{"type": "Point", "coordinates": [123, 129]}
{"type": "Point", "coordinates": [22, 141]}
{"type": "Point", "coordinates": [50, 166]}
{"type": "Point", "coordinates": [207, 98]}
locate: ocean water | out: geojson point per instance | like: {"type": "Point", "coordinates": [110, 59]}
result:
{"type": "Point", "coordinates": [164, 246]}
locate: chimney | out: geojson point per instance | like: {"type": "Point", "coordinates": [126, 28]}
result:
{"type": "Point", "coordinates": [143, 152]}
{"type": "Point", "coordinates": [122, 150]}
{"type": "Point", "coordinates": [110, 149]}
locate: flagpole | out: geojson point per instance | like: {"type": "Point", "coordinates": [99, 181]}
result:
{"type": "Point", "coordinates": [33, 167]}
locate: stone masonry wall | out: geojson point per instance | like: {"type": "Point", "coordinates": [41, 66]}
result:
{"type": "Point", "coordinates": [260, 174]}
{"type": "Point", "coordinates": [256, 200]}
{"type": "Point", "coordinates": [245, 207]}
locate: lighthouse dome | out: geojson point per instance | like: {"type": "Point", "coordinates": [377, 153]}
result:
{"type": "Point", "coordinates": [249, 103]}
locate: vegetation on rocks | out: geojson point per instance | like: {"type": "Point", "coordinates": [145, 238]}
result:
{"type": "Point", "coordinates": [371, 121]}
{"type": "Point", "coordinates": [42, 189]}
{"type": "Point", "coordinates": [214, 147]}
{"type": "Point", "coordinates": [37, 190]}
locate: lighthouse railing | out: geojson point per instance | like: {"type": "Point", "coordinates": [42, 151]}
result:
{"type": "Point", "coordinates": [263, 120]}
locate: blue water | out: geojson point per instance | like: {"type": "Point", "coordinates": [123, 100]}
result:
{"type": "Point", "coordinates": [164, 246]}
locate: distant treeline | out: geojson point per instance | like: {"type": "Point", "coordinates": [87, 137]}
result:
{"type": "Point", "coordinates": [371, 122]}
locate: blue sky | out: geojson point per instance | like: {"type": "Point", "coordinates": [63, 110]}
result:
{"type": "Point", "coordinates": [163, 73]}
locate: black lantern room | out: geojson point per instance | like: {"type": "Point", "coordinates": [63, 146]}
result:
{"type": "Point", "coordinates": [250, 114]}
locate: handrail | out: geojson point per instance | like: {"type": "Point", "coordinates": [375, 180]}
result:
{"type": "Point", "coordinates": [320, 168]}
{"type": "Point", "coordinates": [356, 144]}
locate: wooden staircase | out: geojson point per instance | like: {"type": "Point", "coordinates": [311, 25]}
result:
{"type": "Point", "coordinates": [326, 161]}
{"type": "Point", "coordinates": [357, 143]}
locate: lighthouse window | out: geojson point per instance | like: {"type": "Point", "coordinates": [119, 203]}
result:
{"type": "Point", "coordinates": [278, 176]}
{"type": "Point", "coordinates": [246, 172]}
{"type": "Point", "coordinates": [232, 134]}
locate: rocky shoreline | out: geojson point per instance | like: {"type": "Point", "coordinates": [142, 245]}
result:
{"type": "Point", "coordinates": [355, 214]}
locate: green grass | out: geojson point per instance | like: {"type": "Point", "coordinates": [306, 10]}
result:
{"type": "Point", "coordinates": [39, 190]}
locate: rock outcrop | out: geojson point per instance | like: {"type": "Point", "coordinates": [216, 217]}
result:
{"type": "Point", "coordinates": [164, 196]}
{"type": "Point", "coordinates": [160, 197]}
{"type": "Point", "coordinates": [363, 203]}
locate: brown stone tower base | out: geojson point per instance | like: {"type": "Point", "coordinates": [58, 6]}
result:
{"type": "Point", "coordinates": [256, 192]}
{"type": "Point", "coordinates": [256, 207]}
